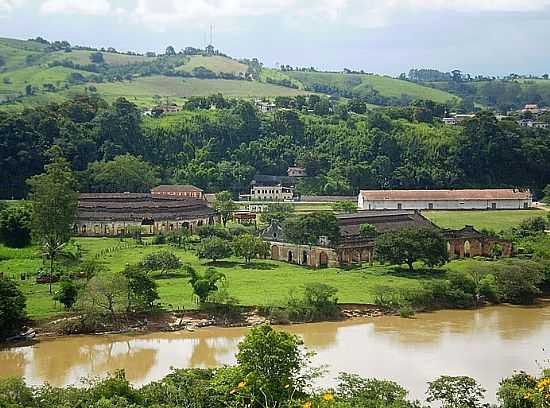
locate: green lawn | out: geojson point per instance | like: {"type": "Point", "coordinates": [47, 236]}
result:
{"type": "Point", "coordinates": [263, 282]}
{"type": "Point", "coordinates": [492, 220]}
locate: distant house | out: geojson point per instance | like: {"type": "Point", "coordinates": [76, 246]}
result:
{"type": "Point", "coordinates": [457, 118]}
{"type": "Point", "coordinates": [265, 106]}
{"type": "Point", "coordinates": [271, 193]}
{"type": "Point", "coordinates": [178, 191]}
{"type": "Point", "coordinates": [488, 199]}
{"type": "Point", "coordinates": [530, 123]}
{"type": "Point", "coordinates": [294, 171]}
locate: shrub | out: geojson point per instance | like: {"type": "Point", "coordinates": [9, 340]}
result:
{"type": "Point", "coordinates": [67, 293]}
{"type": "Point", "coordinates": [370, 392]}
{"type": "Point", "coordinates": [208, 231]}
{"type": "Point", "coordinates": [12, 308]}
{"type": "Point", "coordinates": [455, 392]}
{"type": "Point", "coordinates": [15, 229]}
{"type": "Point", "coordinates": [519, 282]}
{"type": "Point", "coordinates": [319, 302]}
{"type": "Point", "coordinates": [214, 248]}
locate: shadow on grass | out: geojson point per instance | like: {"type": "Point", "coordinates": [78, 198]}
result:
{"type": "Point", "coordinates": [264, 266]}
{"type": "Point", "coordinates": [170, 275]}
{"type": "Point", "coordinates": [417, 273]}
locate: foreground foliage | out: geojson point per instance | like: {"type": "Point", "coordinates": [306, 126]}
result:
{"type": "Point", "coordinates": [273, 371]}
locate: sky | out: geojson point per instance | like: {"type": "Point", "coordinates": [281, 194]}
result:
{"type": "Point", "coordinates": [490, 37]}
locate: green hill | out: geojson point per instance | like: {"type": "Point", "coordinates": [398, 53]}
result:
{"type": "Point", "coordinates": [56, 72]}
{"type": "Point", "coordinates": [367, 86]}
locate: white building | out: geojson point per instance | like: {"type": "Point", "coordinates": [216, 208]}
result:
{"type": "Point", "coordinates": [490, 199]}
{"type": "Point", "coordinates": [271, 193]}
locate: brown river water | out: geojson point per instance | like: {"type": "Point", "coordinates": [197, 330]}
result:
{"type": "Point", "coordinates": [487, 344]}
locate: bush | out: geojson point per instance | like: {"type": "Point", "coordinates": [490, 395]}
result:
{"type": "Point", "coordinates": [15, 226]}
{"type": "Point", "coordinates": [214, 248]}
{"type": "Point", "coordinates": [455, 392]}
{"type": "Point", "coordinates": [67, 293]}
{"type": "Point", "coordinates": [519, 282]}
{"type": "Point", "coordinates": [12, 308]}
{"type": "Point", "coordinates": [209, 231]}
{"type": "Point", "coordinates": [319, 302]}
{"type": "Point", "coordinates": [159, 239]}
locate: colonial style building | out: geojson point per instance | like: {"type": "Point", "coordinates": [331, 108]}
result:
{"type": "Point", "coordinates": [113, 214]}
{"type": "Point", "coordinates": [489, 199]}
{"type": "Point", "coordinates": [353, 248]}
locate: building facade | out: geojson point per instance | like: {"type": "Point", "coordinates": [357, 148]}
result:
{"type": "Point", "coordinates": [114, 214]}
{"type": "Point", "coordinates": [489, 199]}
{"type": "Point", "coordinates": [355, 249]}
{"type": "Point", "coordinates": [271, 193]}
{"type": "Point", "coordinates": [177, 191]}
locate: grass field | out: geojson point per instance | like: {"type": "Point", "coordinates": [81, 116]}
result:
{"type": "Point", "coordinates": [263, 282]}
{"type": "Point", "coordinates": [360, 84]}
{"type": "Point", "coordinates": [493, 220]}
{"type": "Point", "coordinates": [215, 64]}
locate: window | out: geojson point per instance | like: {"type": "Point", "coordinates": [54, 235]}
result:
{"type": "Point", "coordinates": [525, 205]}
{"type": "Point", "coordinates": [399, 206]}
{"type": "Point", "coordinates": [430, 206]}
{"type": "Point", "coordinates": [494, 206]}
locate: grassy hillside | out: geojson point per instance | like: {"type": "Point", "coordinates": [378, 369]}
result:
{"type": "Point", "coordinates": [216, 63]}
{"type": "Point", "coordinates": [362, 85]}
{"type": "Point", "coordinates": [29, 63]}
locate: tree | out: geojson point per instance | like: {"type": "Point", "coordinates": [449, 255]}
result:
{"type": "Point", "coordinates": [213, 248]}
{"type": "Point", "coordinates": [204, 285]}
{"type": "Point", "coordinates": [123, 173]}
{"type": "Point", "coordinates": [277, 211]}
{"type": "Point", "coordinates": [12, 308]}
{"type": "Point", "coordinates": [97, 58]}
{"type": "Point", "coordinates": [271, 362]}
{"type": "Point", "coordinates": [170, 50]}
{"type": "Point", "coordinates": [368, 231]}
{"type": "Point", "coordinates": [15, 226]}
{"type": "Point", "coordinates": [54, 201]}
{"type": "Point", "coordinates": [163, 261]}
{"type": "Point", "coordinates": [179, 238]}
{"type": "Point", "coordinates": [142, 289]}
{"type": "Point", "coordinates": [225, 205]}
{"type": "Point", "coordinates": [519, 282]}
{"type": "Point", "coordinates": [307, 229]}
{"type": "Point", "coordinates": [105, 293]}
{"type": "Point", "coordinates": [371, 392]}
{"type": "Point", "coordinates": [345, 206]}
{"type": "Point", "coordinates": [456, 392]}
{"type": "Point", "coordinates": [248, 246]}
{"type": "Point", "coordinates": [67, 293]}
{"type": "Point", "coordinates": [410, 245]}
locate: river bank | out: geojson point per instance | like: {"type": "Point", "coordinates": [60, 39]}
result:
{"type": "Point", "coordinates": [487, 344]}
{"type": "Point", "coordinates": [173, 321]}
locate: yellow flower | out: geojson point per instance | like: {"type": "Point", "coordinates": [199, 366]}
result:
{"type": "Point", "coordinates": [328, 396]}
{"type": "Point", "coordinates": [242, 384]}
{"type": "Point", "coordinates": [286, 386]}
{"type": "Point", "coordinates": [527, 396]}
{"type": "Point", "coordinates": [307, 405]}
{"type": "Point", "coordinates": [233, 391]}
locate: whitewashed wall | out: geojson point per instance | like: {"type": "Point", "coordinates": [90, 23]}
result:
{"type": "Point", "coordinates": [442, 205]}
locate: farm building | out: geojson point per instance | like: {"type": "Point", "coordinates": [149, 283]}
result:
{"type": "Point", "coordinates": [489, 199]}
{"type": "Point", "coordinates": [178, 190]}
{"type": "Point", "coordinates": [353, 248]}
{"type": "Point", "coordinates": [113, 214]}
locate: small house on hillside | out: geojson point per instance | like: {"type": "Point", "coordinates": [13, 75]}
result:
{"type": "Point", "coordinates": [174, 191]}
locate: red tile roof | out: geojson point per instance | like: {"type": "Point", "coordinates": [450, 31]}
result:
{"type": "Point", "coordinates": [447, 195]}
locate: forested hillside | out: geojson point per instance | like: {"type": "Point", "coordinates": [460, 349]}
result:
{"type": "Point", "coordinates": [223, 148]}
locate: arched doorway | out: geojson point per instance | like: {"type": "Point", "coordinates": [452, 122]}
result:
{"type": "Point", "coordinates": [275, 252]}
{"type": "Point", "coordinates": [323, 260]}
{"type": "Point", "coordinates": [304, 258]}
{"type": "Point", "coordinates": [467, 249]}
{"type": "Point", "coordinates": [289, 256]}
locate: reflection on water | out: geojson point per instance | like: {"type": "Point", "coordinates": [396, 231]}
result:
{"type": "Point", "coordinates": [486, 344]}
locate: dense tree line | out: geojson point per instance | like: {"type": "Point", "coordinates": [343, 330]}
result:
{"type": "Point", "coordinates": [222, 149]}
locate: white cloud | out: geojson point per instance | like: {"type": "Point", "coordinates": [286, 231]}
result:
{"type": "Point", "coordinates": [86, 7]}
{"type": "Point", "coordinates": [8, 5]}
{"type": "Point", "coordinates": [368, 13]}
